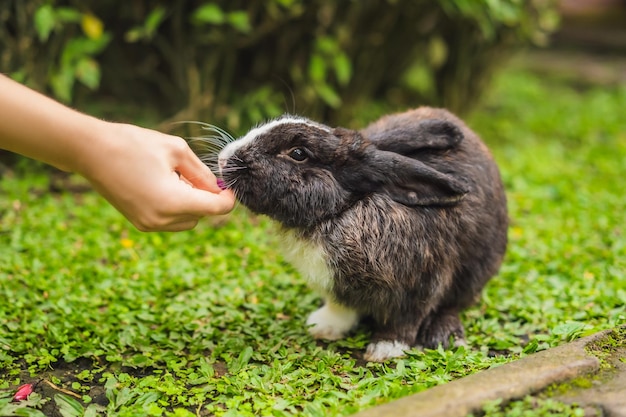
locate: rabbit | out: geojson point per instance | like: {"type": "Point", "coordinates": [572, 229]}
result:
{"type": "Point", "coordinates": [403, 222]}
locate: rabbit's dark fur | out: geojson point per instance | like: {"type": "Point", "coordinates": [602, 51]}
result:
{"type": "Point", "coordinates": [404, 221]}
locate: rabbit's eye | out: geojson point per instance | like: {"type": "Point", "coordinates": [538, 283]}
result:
{"type": "Point", "coordinates": [298, 154]}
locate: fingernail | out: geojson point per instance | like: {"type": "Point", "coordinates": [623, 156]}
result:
{"type": "Point", "coordinates": [221, 184]}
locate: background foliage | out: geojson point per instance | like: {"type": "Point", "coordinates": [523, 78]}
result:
{"type": "Point", "coordinates": [235, 62]}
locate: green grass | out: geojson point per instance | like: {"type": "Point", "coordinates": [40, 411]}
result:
{"type": "Point", "coordinates": [211, 321]}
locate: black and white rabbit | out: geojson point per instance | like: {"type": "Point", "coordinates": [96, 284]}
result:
{"type": "Point", "coordinates": [404, 221]}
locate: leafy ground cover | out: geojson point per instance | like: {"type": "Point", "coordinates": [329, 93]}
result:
{"type": "Point", "coordinates": [110, 321]}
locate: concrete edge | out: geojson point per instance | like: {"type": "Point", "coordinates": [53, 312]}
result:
{"type": "Point", "coordinates": [509, 381]}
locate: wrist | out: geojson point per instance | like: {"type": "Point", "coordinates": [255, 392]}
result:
{"type": "Point", "coordinates": [95, 141]}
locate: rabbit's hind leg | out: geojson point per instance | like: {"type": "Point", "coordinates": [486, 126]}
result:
{"type": "Point", "coordinates": [392, 339]}
{"type": "Point", "coordinates": [441, 327]}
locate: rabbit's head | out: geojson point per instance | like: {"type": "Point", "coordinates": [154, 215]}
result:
{"type": "Point", "coordinates": [300, 172]}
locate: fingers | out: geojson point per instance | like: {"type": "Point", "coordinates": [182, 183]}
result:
{"type": "Point", "coordinates": [202, 203]}
{"type": "Point", "coordinates": [197, 200]}
{"type": "Point", "coordinates": [194, 205]}
{"type": "Point", "coordinates": [194, 171]}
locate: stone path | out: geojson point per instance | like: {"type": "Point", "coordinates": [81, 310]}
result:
{"type": "Point", "coordinates": [607, 389]}
{"type": "Point", "coordinates": [529, 375]}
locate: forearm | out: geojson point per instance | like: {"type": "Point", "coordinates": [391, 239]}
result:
{"type": "Point", "coordinates": [36, 126]}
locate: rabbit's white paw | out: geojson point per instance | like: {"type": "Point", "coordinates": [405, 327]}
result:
{"type": "Point", "coordinates": [332, 321]}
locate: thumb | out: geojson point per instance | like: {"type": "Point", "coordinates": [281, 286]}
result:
{"type": "Point", "coordinates": [202, 203]}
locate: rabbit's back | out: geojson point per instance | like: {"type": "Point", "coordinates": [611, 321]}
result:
{"type": "Point", "coordinates": [386, 251]}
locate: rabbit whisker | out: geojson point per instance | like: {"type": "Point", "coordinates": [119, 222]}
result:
{"type": "Point", "coordinates": [211, 128]}
{"type": "Point", "coordinates": [209, 140]}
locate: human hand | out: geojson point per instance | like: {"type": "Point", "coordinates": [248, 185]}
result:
{"type": "Point", "coordinates": [153, 179]}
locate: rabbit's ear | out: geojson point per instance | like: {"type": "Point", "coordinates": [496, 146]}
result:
{"type": "Point", "coordinates": [397, 170]}
{"type": "Point", "coordinates": [429, 134]}
{"type": "Point", "coordinates": [413, 183]}
{"type": "Point", "coordinates": [391, 163]}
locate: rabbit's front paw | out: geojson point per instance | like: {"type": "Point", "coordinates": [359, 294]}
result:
{"type": "Point", "coordinates": [332, 321]}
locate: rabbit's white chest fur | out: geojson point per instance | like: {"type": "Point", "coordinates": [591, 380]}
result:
{"type": "Point", "coordinates": [332, 321]}
{"type": "Point", "coordinates": [310, 260]}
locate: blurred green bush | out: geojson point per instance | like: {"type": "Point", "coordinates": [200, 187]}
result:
{"type": "Point", "coordinates": [236, 62]}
